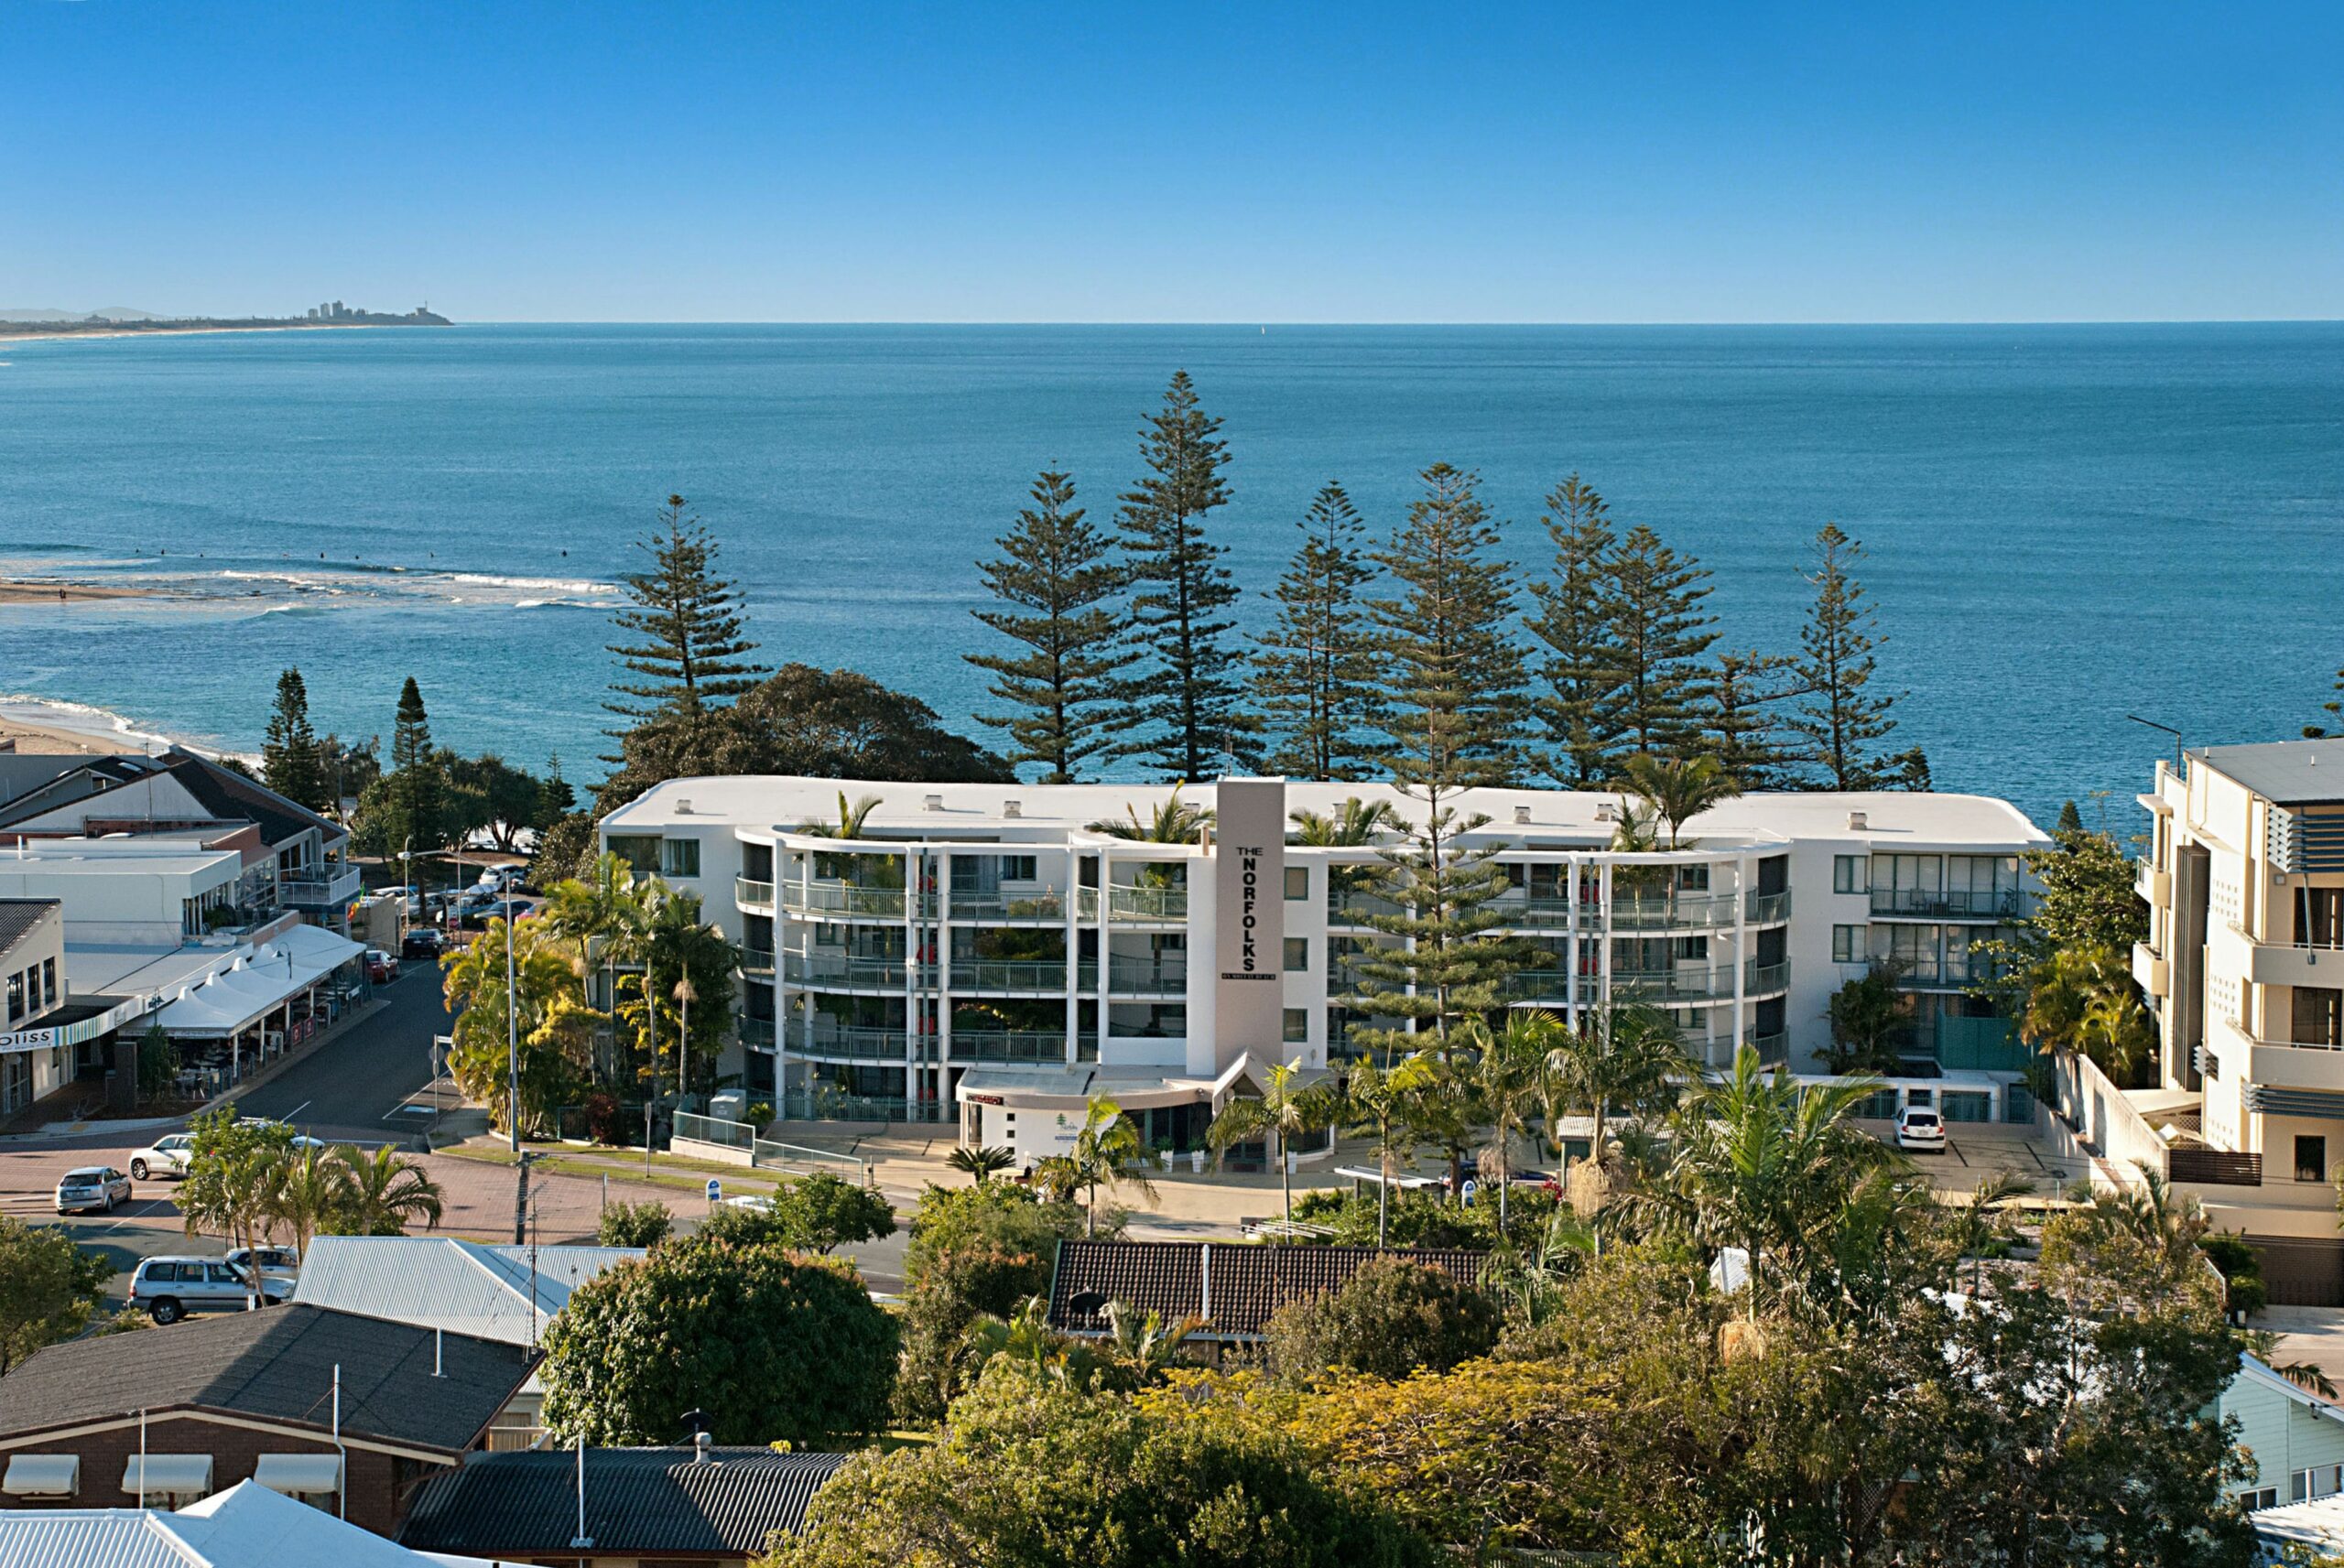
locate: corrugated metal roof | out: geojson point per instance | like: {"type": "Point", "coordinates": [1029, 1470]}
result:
{"type": "Point", "coordinates": [2291, 772]}
{"type": "Point", "coordinates": [277, 1365]}
{"type": "Point", "coordinates": [639, 1501]}
{"type": "Point", "coordinates": [89, 1538]}
{"type": "Point", "coordinates": [20, 915]}
{"type": "Point", "coordinates": [441, 1281]}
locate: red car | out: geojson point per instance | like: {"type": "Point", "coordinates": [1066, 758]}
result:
{"type": "Point", "coordinates": [381, 967]}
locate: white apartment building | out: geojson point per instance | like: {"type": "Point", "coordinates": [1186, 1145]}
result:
{"type": "Point", "coordinates": [978, 950]}
{"type": "Point", "coordinates": [2244, 964]}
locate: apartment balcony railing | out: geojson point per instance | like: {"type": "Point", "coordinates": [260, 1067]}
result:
{"type": "Point", "coordinates": [1773, 1049]}
{"type": "Point", "coordinates": [864, 1046]}
{"type": "Point", "coordinates": [839, 969]}
{"type": "Point", "coordinates": [1013, 1046]}
{"type": "Point", "coordinates": [1550, 986]}
{"type": "Point", "coordinates": [850, 900]}
{"type": "Point", "coordinates": [756, 1031]}
{"type": "Point", "coordinates": [313, 893]}
{"type": "Point", "coordinates": [1127, 901]}
{"type": "Point", "coordinates": [1041, 904]}
{"type": "Point", "coordinates": [1660, 912]}
{"type": "Point", "coordinates": [1538, 912]}
{"type": "Point", "coordinates": [1352, 907]}
{"type": "Point", "coordinates": [1009, 974]}
{"type": "Point", "coordinates": [757, 963]}
{"type": "Point", "coordinates": [1940, 974]}
{"type": "Point", "coordinates": [1947, 904]}
{"type": "Point", "coordinates": [1140, 977]}
{"type": "Point", "coordinates": [1760, 978]}
{"type": "Point", "coordinates": [2155, 887]}
{"type": "Point", "coordinates": [1767, 908]}
{"type": "Point", "coordinates": [750, 893]}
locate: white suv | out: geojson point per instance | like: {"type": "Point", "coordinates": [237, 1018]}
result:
{"type": "Point", "coordinates": [171, 1288]}
{"type": "Point", "coordinates": [164, 1157]}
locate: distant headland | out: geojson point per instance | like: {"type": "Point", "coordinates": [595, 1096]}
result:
{"type": "Point", "coordinates": [119, 322]}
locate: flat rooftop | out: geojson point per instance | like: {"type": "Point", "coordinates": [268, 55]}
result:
{"type": "Point", "coordinates": [153, 855]}
{"type": "Point", "coordinates": [2288, 773]}
{"type": "Point", "coordinates": [1895, 820]}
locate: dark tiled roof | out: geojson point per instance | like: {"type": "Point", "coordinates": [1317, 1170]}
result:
{"type": "Point", "coordinates": [232, 797]}
{"type": "Point", "coordinates": [1234, 1287]}
{"type": "Point", "coordinates": [20, 915]}
{"type": "Point", "coordinates": [276, 1365]}
{"type": "Point", "coordinates": [643, 1501]}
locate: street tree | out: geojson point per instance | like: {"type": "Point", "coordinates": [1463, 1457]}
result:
{"type": "Point", "coordinates": [555, 1029]}
{"type": "Point", "coordinates": [1285, 1113]}
{"type": "Point", "coordinates": [234, 1171]}
{"type": "Point", "coordinates": [1055, 579]}
{"type": "Point", "coordinates": [385, 1193]}
{"type": "Point", "coordinates": [1318, 666]}
{"type": "Point", "coordinates": [50, 1288]}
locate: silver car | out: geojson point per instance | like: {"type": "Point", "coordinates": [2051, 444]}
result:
{"type": "Point", "coordinates": [98, 1187]}
{"type": "Point", "coordinates": [171, 1288]}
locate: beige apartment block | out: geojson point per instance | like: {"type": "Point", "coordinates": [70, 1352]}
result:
{"type": "Point", "coordinates": [2244, 964]}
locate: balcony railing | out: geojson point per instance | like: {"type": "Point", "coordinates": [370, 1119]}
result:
{"type": "Point", "coordinates": [750, 893]}
{"type": "Point", "coordinates": [1765, 977]}
{"type": "Point", "coordinates": [1009, 974]}
{"type": "Point", "coordinates": [1128, 902]}
{"type": "Point", "coordinates": [756, 1030]}
{"type": "Point", "coordinates": [1948, 903]}
{"type": "Point", "coordinates": [1042, 903]}
{"type": "Point", "coordinates": [850, 899]}
{"type": "Point", "coordinates": [1534, 911]}
{"type": "Point", "coordinates": [1140, 977]}
{"type": "Point", "coordinates": [1659, 912]}
{"type": "Point", "coordinates": [1768, 908]}
{"type": "Point", "coordinates": [842, 969]}
{"type": "Point", "coordinates": [317, 891]}
{"type": "Point", "coordinates": [1008, 1046]}
{"type": "Point", "coordinates": [2241, 1030]}
{"type": "Point", "coordinates": [857, 1045]}
{"type": "Point", "coordinates": [1354, 907]}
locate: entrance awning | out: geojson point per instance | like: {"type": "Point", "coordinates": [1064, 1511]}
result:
{"type": "Point", "coordinates": [43, 1475]}
{"type": "Point", "coordinates": [178, 1475]}
{"type": "Point", "coordinates": [300, 1475]}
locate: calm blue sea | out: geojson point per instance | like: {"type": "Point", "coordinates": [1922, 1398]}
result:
{"type": "Point", "coordinates": [2065, 524]}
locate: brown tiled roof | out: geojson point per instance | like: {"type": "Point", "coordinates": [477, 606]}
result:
{"type": "Point", "coordinates": [1234, 1286]}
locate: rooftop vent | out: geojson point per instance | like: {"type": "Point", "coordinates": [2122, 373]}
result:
{"type": "Point", "coordinates": [1013, 808]}
{"type": "Point", "coordinates": [932, 803]}
{"type": "Point", "coordinates": [1522, 815]}
{"type": "Point", "coordinates": [700, 1443]}
{"type": "Point", "coordinates": [1858, 822]}
{"type": "Point", "coordinates": [683, 808]}
{"type": "Point", "coordinates": [1606, 812]}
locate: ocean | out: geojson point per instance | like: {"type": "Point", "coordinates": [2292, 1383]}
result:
{"type": "Point", "coordinates": [2064, 526]}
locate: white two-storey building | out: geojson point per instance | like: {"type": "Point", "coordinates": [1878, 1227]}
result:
{"type": "Point", "coordinates": [976, 950]}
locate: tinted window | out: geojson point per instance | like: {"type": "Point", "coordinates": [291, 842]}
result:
{"type": "Point", "coordinates": [160, 1273]}
{"type": "Point", "coordinates": [221, 1274]}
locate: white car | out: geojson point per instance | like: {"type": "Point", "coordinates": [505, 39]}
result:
{"type": "Point", "coordinates": [1919, 1129]}
{"type": "Point", "coordinates": [164, 1157]}
{"type": "Point", "coordinates": [278, 1265]}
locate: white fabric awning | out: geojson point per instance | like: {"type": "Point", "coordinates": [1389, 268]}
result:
{"type": "Point", "coordinates": [300, 1475]}
{"type": "Point", "coordinates": [178, 1475]}
{"type": "Point", "coordinates": [43, 1475]}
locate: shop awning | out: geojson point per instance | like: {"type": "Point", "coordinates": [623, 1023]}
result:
{"type": "Point", "coordinates": [258, 983]}
{"type": "Point", "coordinates": [178, 1475]}
{"type": "Point", "coordinates": [300, 1475]}
{"type": "Point", "coordinates": [42, 1475]}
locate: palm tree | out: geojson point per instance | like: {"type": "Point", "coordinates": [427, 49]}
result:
{"type": "Point", "coordinates": [981, 1163]}
{"type": "Point", "coordinates": [1108, 1143]}
{"type": "Point", "coordinates": [1379, 1099]}
{"type": "Point", "coordinates": [1287, 1108]}
{"type": "Point", "coordinates": [1678, 789]}
{"type": "Point", "coordinates": [674, 941]}
{"type": "Point", "coordinates": [1770, 1166]}
{"type": "Point", "coordinates": [605, 916]}
{"type": "Point", "coordinates": [1144, 1345]}
{"type": "Point", "coordinates": [1353, 824]}
{"type": "Point", "coordinates": [310, 1191]}
{"type": "Point", "coordinates": [1627, 1054]}
{"type": "Point", "coordinates": [849, 822]}
{"type": "Point", "coordinates": [2168, 1226]}
{"type": "Point", "coordinates": [1509, 1068]}
{"type": "Point", "coordinates": [386, 1192]}
{"type": "Point", "coordinates": [1176, 821]}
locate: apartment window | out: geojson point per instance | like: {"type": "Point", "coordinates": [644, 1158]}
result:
{"type": "Point", "coordinates": [2319, 916]}
{"type": "Point", "coordinates": [2260, 1498]}
{"type": "Point", "coordinates": [49, 982]}
{"type": "Point", "coordinates": [1692, 949]}
{"type": "Point", "coordinates": [640, 853]}
{"type": "Point", "coordinates": [1297, 954]}
{"type": "Point", "coordinates": [16, 998]}
{"type": "Point", "coordinates": [1849, 874]}
{"type": "Point", "coordinates": [1298, 881]}
{"type": "Point", "coordinates": [2318, 1015]}
{"type": "Point", "coordinates": [1298, 1025]}
{"type": "Point", "coordinates": [1847, 944]}
{"type": "Point", "coordinates": [679, 857]}
{"type": "Point", "coordinates": [2311, 1159]}
{"type": "Point", "coordinates": [1018, 868]}
{"type": "Point", "coordinates": [1693, 879]}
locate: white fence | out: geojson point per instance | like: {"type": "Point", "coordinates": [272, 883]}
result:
{"type": "Point", "coordinates": [2099, 1128]}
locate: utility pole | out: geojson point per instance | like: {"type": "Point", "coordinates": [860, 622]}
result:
{"type": "Point", "coordinates": [521, 1201]}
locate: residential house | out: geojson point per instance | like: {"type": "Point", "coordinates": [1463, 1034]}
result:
{"type": "Point", "coordinates": [1231, 1288]}
{"type": "Point", "coordinates": [2293, 1437]}
{"type": "Point", "coordinates": [619, 1507]}
{"type": "Point", "coordinates": [353, 1413]}
{"type": "Point", "coordinates": [247, 1526]}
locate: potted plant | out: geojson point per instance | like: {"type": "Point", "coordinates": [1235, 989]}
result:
{"type": "Point", "coordinates": [1164, 1153]}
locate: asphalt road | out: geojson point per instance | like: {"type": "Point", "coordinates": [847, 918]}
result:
{"type": "Point", "coordinates": [349, 1089]}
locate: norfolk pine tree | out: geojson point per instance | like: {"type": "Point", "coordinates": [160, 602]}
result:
{"type": "Point", "coordinates": [1454, 703]}
{"type": "Point", "coordinates": [1575, 622]}
{"type": "Point", "coordinates": [1067, 681]}
{"type": "Point", "coordinates": [1742, 727]}
{"type": "Point", "coordinates": [688, 649]}
{"type": "Point", "coordinates": [1320, 663]}
{"type": "Point", "coordinates": [1659, 631]}
{"type": "Point", "coordinates": [1187, 703]}
{"type": "Point", "coordinates": [290, 760]}
{"type": "Point", "coordinates": [1843, 720]}
{"type": "Point", "coordinates": [418, 788]}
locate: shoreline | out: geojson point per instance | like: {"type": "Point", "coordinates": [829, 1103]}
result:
{"type": "Point", "coordinates": [64, 591]}
{"type": "Point", "coordinates": [13, 333]}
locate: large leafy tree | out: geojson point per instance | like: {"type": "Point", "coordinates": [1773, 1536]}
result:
{"type": "Point", "coordinates": [1191, 701]}
{"type": "Point", "coordinates": [2063, 970]}
{"type": "Point", "coordinates": [1843, 721]}
{"type": "Point", "coordinates": [689, 652]}
{"type": "Point", "coordinates": [551, 1023]}
{"type": "Point", "coordinates": [1054, 580]}
{"type": "Point", "coordinates": [1575, 622]}
{"type": "Point", "coordinates": [290, 758]}
{"type": "Point", "coordinates": [1318, 667]}
{"type": "Point", "coordinates": [1660, 635]}
{"type": "Point", "coordinates": [1395, 1316]}
{"type": "Point", "coordinates": [773, 1346]}
{"type": "Point", "coordinates": [1038, 1471]}
{"type": "Point", "coordinates": [50, 1288]}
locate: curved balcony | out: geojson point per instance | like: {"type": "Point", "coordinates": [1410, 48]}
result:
{"type": "Point", "coordinates": [1138, 905]}
{"type": "Point", "coordinates": [1043, 906]}
{"type": "Point", "coordinates": [1010, 976]}
{"type": "Point", "coordinates": [842, 972]}
{"type": "Point", "coordinates": [750, 893]}
{"type": "Point", "coordinates": [1767, 908]}
{"type": "Point", "coordinates": [846, 900]}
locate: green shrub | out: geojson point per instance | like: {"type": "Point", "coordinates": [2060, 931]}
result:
{"type": "Point", "coordinates": [644, 1223]}
{"type": "Point", "coordinates": [1392, 1317]}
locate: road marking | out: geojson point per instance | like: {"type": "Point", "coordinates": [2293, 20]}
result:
{"type": "Point", "coordinates": [153, 1206]}
{"type": "Point", "coordinates": [296, 1111]}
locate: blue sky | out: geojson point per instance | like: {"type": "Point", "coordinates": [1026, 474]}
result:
{"type": "Point", "coordinates": [1354, 162]}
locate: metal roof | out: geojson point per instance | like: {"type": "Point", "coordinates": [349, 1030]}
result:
{"type": "Point", "coordinates": [2288, 773]}
{"type": "Point", "coordinates": [1234, 1286]}
{"type": "Point", "coordinates": [649, 1502]}
{"type": "Point", "coordinates": [18, 916]}
{"type": "Point", "coordinates": [92, 1538]}
{"type": "Point", "coordinates": [277, 1366]}
{"type": "Point", "coordinates": [441, 1281]}
{"type": "Point", "coordinates": [247, 1526]}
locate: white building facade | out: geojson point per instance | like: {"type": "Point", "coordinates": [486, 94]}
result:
{"type": "Point", "coordinates": [974, 950]}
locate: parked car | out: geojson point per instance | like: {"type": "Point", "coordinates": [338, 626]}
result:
{"type": "Point", "coordinates": [501, 879]}
{"type": "Point", "coordinates": [90, 1187]}
{"type": "Point", "coordinates": [422, 942]}
{"type": "Point", "coordinates": [1920, 1129]}
{"type": "Point", "coordinates": [278, 1265]}
{"type": "Point", "coordinates": [171, 1288]}
{"type": "Point", "coordinates": [300, 1139]}
{"type": "Point", "coordinates": [381, 967]}
{"type": "Point", "coordinates": [166, 1156]}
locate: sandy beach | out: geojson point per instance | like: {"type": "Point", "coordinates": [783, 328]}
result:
{"type": "Point", "coordinates": [27, 739]}
{"type": "Point", "coordinates": [39, 590]}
